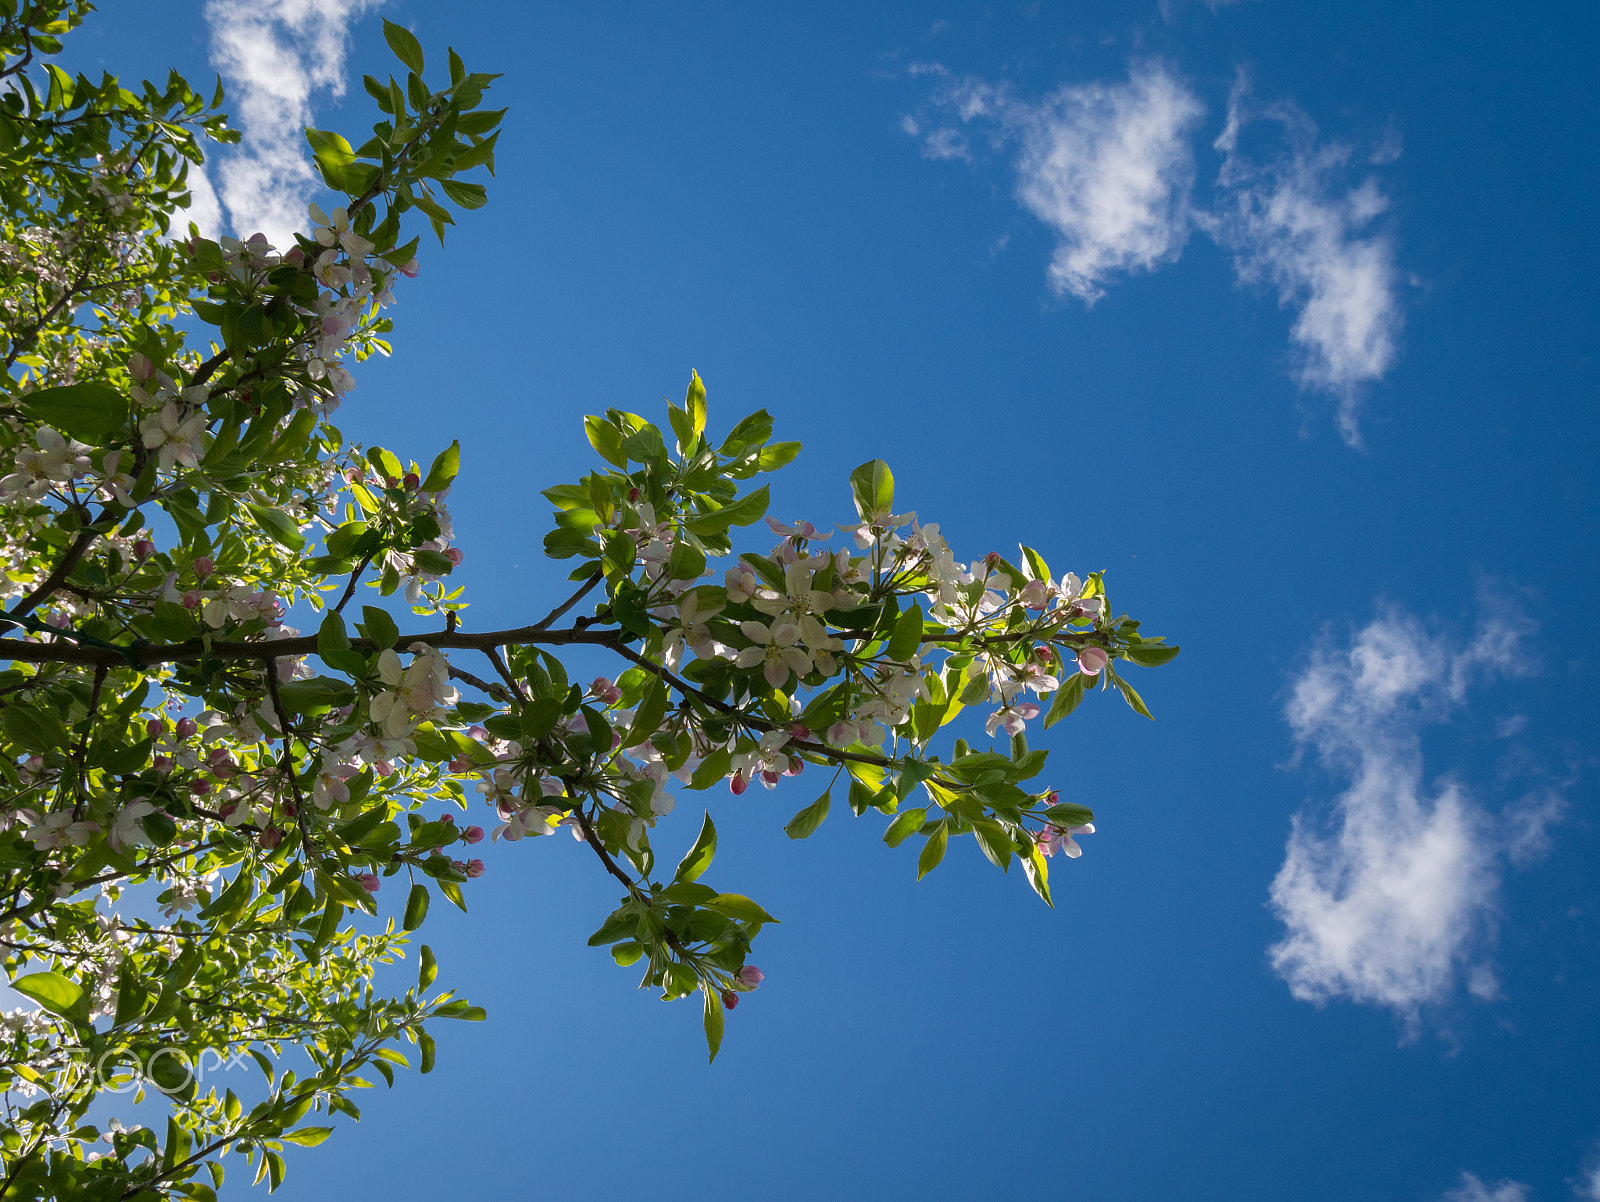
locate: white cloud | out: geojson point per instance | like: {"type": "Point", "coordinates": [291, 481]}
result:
{"type": "Point", "coordinates": [274, 56]}
{"type": "Point", "coordinates": [1107, 167]}
{"type": "Point", "coordinates": [1390, 902]}
{"type": "Point", "coordinates": [1472, 1189]}
{"type": "Point", "coordinates": [204, 210]}
{"type": "Point", "coordinates": [1290, 224]}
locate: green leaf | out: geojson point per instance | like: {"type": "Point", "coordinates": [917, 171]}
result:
{"type": "Point", "coordinates": [619, 924]}
{"type": "Point", "coordinates": [714, 1021]}
{"type": "Point", "coordinates": [1131, 696]}
{"type": "Point", "coordinates": [1066, 699]}
{"type": "Point", "coordinates": [748, 509]}
{"type": "Point", "coordinates": [907, 636]}
{"type": "Point", "coordinates": [736, 905]}
{"type": "Point", "coordinates": [776, 455]}
{"type": "Point", "coordinates": [444, 469]}
{"type": "Point", "coordinates": [1038, 569]}
{"type": "Point", "coordinates": [416, 907]}
{"type": "Point", "coordinates": [1037, 869]}
{"type": "Point", "coordinates": [904, 826]}
{"type": "Point", "coordinates": [647, 717]}
{"type": "Point", "coordinates": [379, 626]}
{"type": "Point", "coordinates": [428, 969]}
{"type": "Point", "coordinates": [278, 526]}
{"type": "Point", "coordinates": [695, 403]}
{"type": "Point", "coordinates": [932, 851]}
{"type": "Point", "coordinates": [55, 993]}
{"type": "Point", "coordinates": [699, 857]}
{"type": "Point", "coordinates": [334, 156]}
{"type": "Point", "coordinates": [331, 635]}
{"type": "Point", "coordinates": [685, 563]}
{"type": "Point", "coordinates": [468, 196]}
{"type": "Point", "coordinates": [1152, 655]}
{"type": "Point", "coordinates": [85, 411]}
{"type": "Point", "coordinates": [303, 696]}
{"type": "Point", "coordinates": [626, 953]}
{"type": "Point", "coordinates": [605, 438]}
{"type": "Point", "coordinates": [404, 44]}
{"type": "Point", "coordinates": [711, 769]}
{"type": "Point", "coordinates": [993, 842]}
{"type": "Point", "coordinates": [33, 728]}
{"type": "Point", "coordinates": [307, 1137]}
{"type": "Point", "coordinates": [429, 1049]}
{"type": "Point", "coordinates": [803, 824]}
{"type": "Point", "coordinates": [1066, 814]}
{"type": "Point", "coordinates": [872, 485]}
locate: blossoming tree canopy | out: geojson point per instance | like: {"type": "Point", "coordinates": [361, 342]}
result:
{"type": "Point", "coordinates": [204, 808]}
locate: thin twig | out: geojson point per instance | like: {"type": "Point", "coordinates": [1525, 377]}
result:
{"type": "Point", "coordinates": [349, 589]}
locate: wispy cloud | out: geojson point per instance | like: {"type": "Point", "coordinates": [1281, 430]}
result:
{"type": "Point", "coordinates": [1291, 223]}
{"type": "Point", "coordinates": [1390, 902]}
{"type": "Point", "coordinates": [1107, 167]}
{"type": "Point", "coordinates": [1472, 1189]}
{"type": "Point", "coordinates": [275, 56]}
{"type": "Point", "coordinates": [1110, 169]}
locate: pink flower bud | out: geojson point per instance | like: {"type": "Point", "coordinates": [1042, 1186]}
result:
{"type": "Point", "coordinates": [191, 599]}
{"type": "Point", "coordinates": [1043, 654]}
{"type": "Point", "coordinates": [796, 766]}
{"type": "Point", "coordinates": [162, 764]}
{"type": "Point", "coordinates": [412, 480]}
{"type": "Point", "coordinates": [408, 269]}
{"type": "Point", "coordinates": [751, 975]}
{"type": "Point", "coordinates": [473, 834]}
{"type": "Point", "coordinates": [290, 810]}
{"type": "Point", "coordinates": [294, 256]}
{"type": "Point", "coordinates": [140, 367]}
{"type": "Point", "coordinates": [477, 732]}
{"type": "Point", "coordinates": [455, 555]}
{"type": "Point", "coordinates": [204, 566]}
{"type": "Point", "coordinates": [143, 549]}
{"type": "Point", "coordinates": [797, 731]}
{"type": "Point", "coordinates": [450, 818]}
{"type": "Point", "coordinates": [271, 837]}
{"type": "Point", "coordinates": [154, 727]}
{"type": "Point", "coordinates": [1054, 798]}
{"type": "Point", "coordinates": [200, 787]}
{"type": "Point", "coordinates": [383, 767]}
{"type": "Point", "coordinates": [475, 869]}
{"type": "Point", "coordinates": [369, 882]}
{"type": "Point", "coordinates": [730, 999]}
{"type": "Point", "coordinates": [737, 784]}
{"type": "Point", "coordinates": [769, 778]}
{"type": "Point", "coordinates": [460, 766]}
{"type": "Point", "coordinates": [1091, 660]}
{"type": "Point", "coordinates": [187, 727]}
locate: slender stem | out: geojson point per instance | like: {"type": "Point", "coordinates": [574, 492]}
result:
{"type": "Point", "coordinates": [82, 755]}
{"type": "Point", "coordinates": [555, 613]}
{"type": "Point", "coordinates": [483, 686]}
{"type": "Point", "coordinates": [57, 574]}
{"type": "Point", "coordinates": [505, 673]}
{"type": "Point", "coordinates": [287, 763]}
{"type": "Point", "coordinates": [349, 589]}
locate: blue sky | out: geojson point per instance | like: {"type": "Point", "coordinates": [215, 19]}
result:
{"type": "Point", "coordinates": [1282, 313]}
